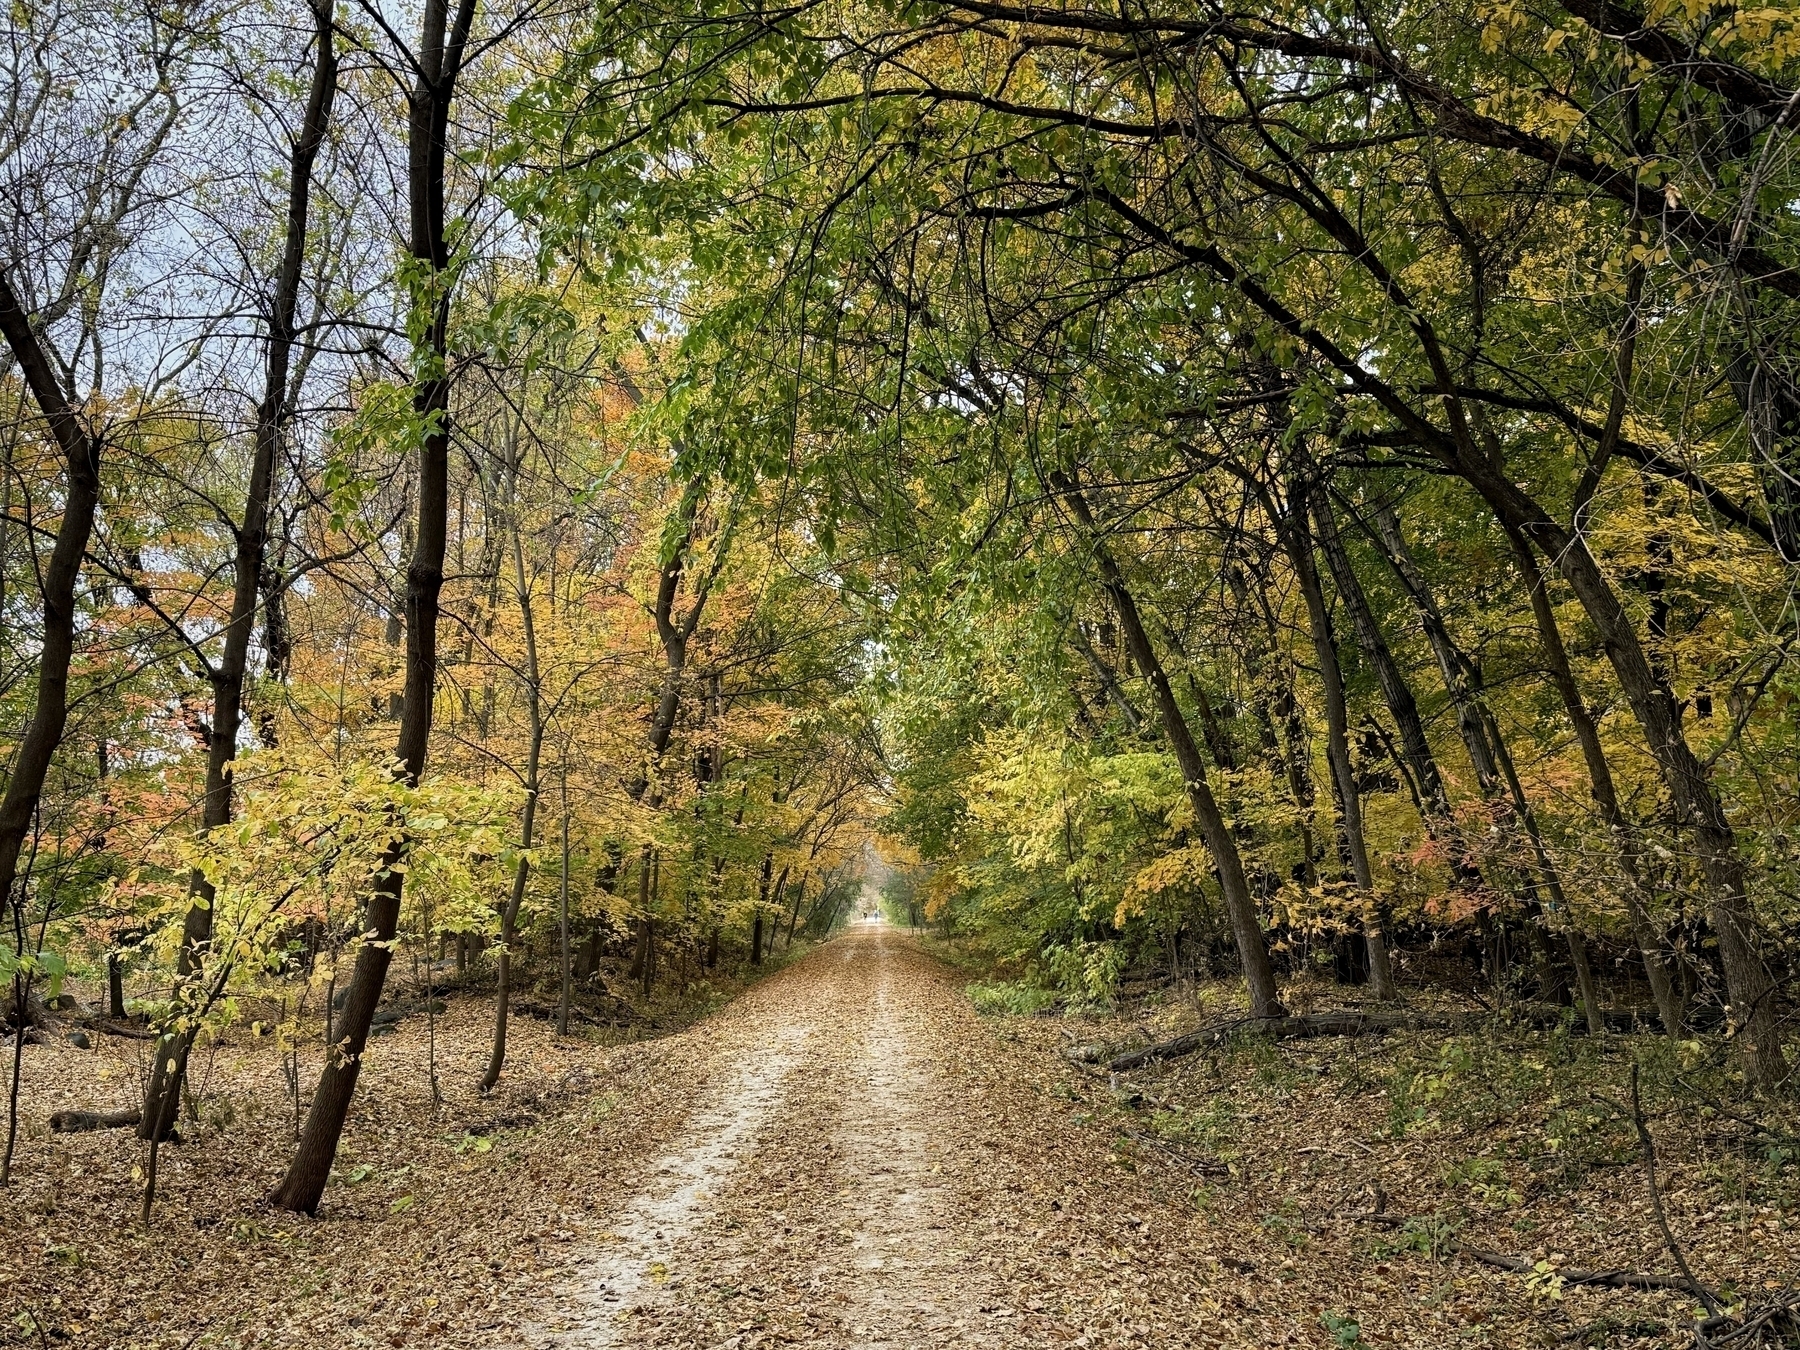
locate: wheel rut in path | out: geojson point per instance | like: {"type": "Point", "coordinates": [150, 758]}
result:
{"type": "Point", "coordinates": [643, 1243]}
{"type": "Point", "coordinates": [910, 1285]}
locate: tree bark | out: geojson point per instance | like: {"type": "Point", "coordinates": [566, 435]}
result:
{"type": "Point", "coordinates": [1600, 782]}
{"type": "Point", "coordinates": [1297, 538]}
{"type": "Point", "coordinates": [1240, 905]}
{"type": "Point", "coordinates": [441, 50]}
{"type": "Point", "coordinates": [227, 675]}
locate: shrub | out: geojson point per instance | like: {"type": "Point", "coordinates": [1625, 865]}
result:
{"type": "Point", "coordinates": [1014, 998]}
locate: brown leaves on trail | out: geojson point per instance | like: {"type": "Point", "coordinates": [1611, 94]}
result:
{"type": "Point", "coordinates": [439, 1228]}
{"type": "Point", "coordinates": [910, 1173]}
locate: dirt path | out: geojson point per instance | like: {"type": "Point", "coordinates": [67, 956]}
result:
{"type": "Point", "coordinates": [845, 1155]}
{"type": "Point", "coordinates": [853, 1173]}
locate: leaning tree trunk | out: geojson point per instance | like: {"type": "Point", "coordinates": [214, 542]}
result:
{"type": "Point", "coordinates": [1481, 737]}
{"type": "Point", "coordinates": [1771, 407]}
{"type": "Point", "coordinates": [1297, 538]}
{"type": "Point", "coordinates": [1606, 797]}
{"type": "Point", "coordinates": [49, 714]}
{"type": "Point", "coordinates": [1240, 905]}
{"type": "Point", "coordinates": [794, 913]}
{"type": "Point", "coordinates": [1415, 748]}
{"type": "Point", "coordinates": [440, 62]}
{"type": "Point", "coordinates": [1697, 804]}
{"type": "Point", "coordinates": [81, 496]}
{"type": "Point", "coordinates": [162, 1094]}
{"type": "Point", "coordinates": [1286, 741]}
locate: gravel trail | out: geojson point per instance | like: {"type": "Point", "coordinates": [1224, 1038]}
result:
{"type": "Point", "coordinates": [862, 1167]}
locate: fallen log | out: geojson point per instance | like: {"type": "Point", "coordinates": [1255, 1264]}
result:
{"type": "Point", "coordinates": [546, 1012]}
{"type": "Point", "coordinates": [1569, 1275]}
{"type": "Point", "coordinates": [1084, 1054]}
{"type": "Point", "coordinates": [1519, 1265]}
{"type": "Point", "coordinates": [129, 1032]}
{"type": "Point", "coordinates": [1344, 1022]}
{"type": "Point", "coordinates": [80, 1122]}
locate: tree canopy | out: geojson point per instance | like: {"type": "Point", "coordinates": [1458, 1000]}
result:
{"type": "Point", "coordinates": [1175, 488]}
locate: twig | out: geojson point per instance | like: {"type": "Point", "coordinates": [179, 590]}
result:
{"type": "Point", "coordinates": [1603, 1279]}
{"type": "Point", "coordinates": [1656, 1205]}
{"type": "Point", "coordinates": [1569, 1275]}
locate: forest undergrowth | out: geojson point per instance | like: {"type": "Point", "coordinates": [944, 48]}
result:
{"type": "Point", "coordinates": [451, 1207]}
{"type": "Point", "coordinates": [1421, 1188]}
{"type": "Point", "coordinates": [1395, 1178]}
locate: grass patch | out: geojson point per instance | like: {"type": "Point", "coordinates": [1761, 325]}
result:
{"type": "Point", "coordinates": [1013, 998]}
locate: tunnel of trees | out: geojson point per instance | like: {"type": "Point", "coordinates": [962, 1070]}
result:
{"type": "Point", "coordinates": [1256, 492]}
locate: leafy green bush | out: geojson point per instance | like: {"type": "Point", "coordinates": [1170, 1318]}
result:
{"type": "Point", "coordinates": [1014, 998]}
{"type": "Point", "coordinates": [1088, 971]}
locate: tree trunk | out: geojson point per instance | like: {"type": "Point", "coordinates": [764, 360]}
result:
{"type": "Point", "coordinates": [227, 675]}
{"type": "Point", "coordinates": [674, 631]}
{"type": "Point", "coordinates": [564, 973]}
{"type": "Point", "coordinates": [1285, 737]}
{"type": "Point", "coordinates": [1240, 905]}
{"type": "Point", "coordinates": [1395, 691]}
{"type": "Point", "coordinates": [49, 713]}
{"type": "Point", "coordinates": [1600, 781]}
{"type": "Point", "coordinates": [509, 919]}
{"type": "Point", "coordinates": [649, 955]}
{"type": "Point", "coordinates": [794, 914]}
{"type": "Point", "coordinates": [1297, 537]}
{"type": "Point", "coordinates": [762, 899]}
{"type": "Point", "coordinates": [439, 64]}
{"type": "Point", "coordinates": [81, 457]}
{"type": "Point", "coordinates": [640, 950]}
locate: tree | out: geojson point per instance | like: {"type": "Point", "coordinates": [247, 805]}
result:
{"type": "Point", "coordinates": [438, 62]}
